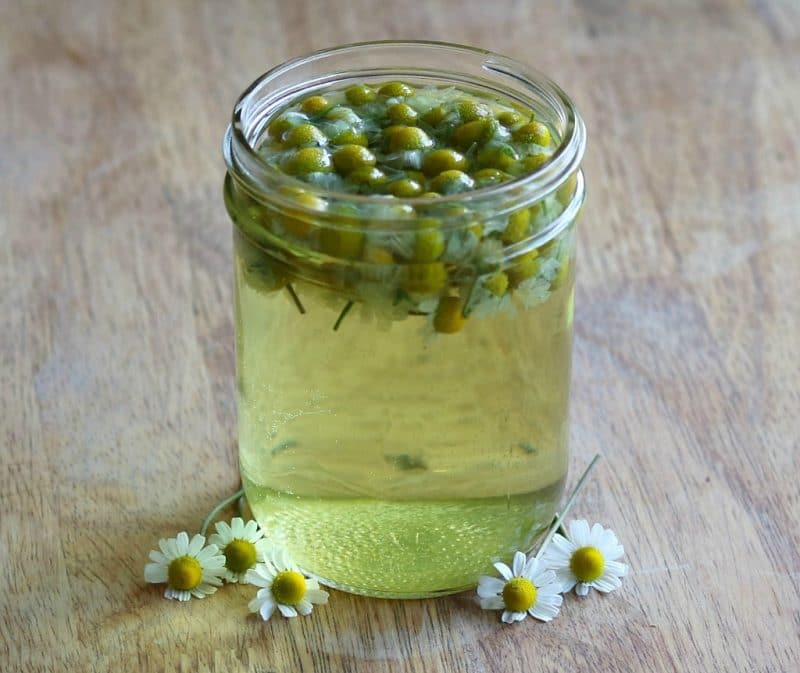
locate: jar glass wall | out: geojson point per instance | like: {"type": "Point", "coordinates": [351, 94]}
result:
{"type": "Point", "coordinates": [403, 364]}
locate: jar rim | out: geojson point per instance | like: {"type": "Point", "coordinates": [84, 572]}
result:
{"type": "Point", "coordinates": [247, 165]}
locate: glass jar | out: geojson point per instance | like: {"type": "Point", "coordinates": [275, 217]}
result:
{"type": "Point", "coordinates": [403, 421]}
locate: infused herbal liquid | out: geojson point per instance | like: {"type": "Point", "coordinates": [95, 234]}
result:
{"type": "Point", "coordinates": [390, 457]}
{"type": "Point", "coordinates": [404, 263]}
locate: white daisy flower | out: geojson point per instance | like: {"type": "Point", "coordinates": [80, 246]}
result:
{"type": "Point", "coordinates": [283, 587]}
{"type": "Point", "coordinates": [527, 588]}
{"type": "Point", "coordinates": [586, 559]}
{"type": "Point", "coordinates": [243, 545]}
{"type": "Point", "coordinates": [187, 567]}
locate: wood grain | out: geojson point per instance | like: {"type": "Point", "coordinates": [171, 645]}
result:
{"type": "Point", "coordinates": [116, 357]}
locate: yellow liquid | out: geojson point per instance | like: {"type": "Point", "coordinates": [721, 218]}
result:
{"type": "Point", "coordinates": [391, 460]}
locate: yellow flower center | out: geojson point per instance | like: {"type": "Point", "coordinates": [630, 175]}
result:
{"type": "Point", "coordinates": [289, 587]}
{"type": "Point", "coordinates": [587, 564]}
{"type": "Point", "coordinates": [519, 594]}
{"type": "Point", "coordinates": [184, 573]}
{"type": "Point", "coordinates": [240, 555]}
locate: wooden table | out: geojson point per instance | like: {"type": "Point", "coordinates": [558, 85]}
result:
{"type": "Point", "coordinates": [116, 360]}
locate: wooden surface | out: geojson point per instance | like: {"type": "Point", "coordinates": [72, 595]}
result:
{"type": "Point", "coordinates": [116, 358]}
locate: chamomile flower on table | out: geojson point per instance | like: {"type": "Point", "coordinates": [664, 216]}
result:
{"type": "Point", "coordinates": [242, 544]}
{"type": "Point", "coordinates": [188, 567]}
{"type": "Point", "coordinates": [526, 588]}
{"type": "Point", "coordinates": [283, 586]}
{"type": "Point", "coordinates": [586, 559]}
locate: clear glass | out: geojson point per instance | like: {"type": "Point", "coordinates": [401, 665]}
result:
{"type": "Point", "coordinates": [390, 457]}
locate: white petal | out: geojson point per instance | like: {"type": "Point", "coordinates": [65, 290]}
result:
{"type": "Point", "coordinates": [607, 583]}
{"type": "Point", "coordinates": [252, 532]}
{"type": "Point", "coordinates": [287, 610]}
{"type": "Point", "coordinates": [261, 575]}
{"type": "Point", "coordinates": [182, 543]}
{"type": "Point", "coordinates": [206, 552]}
{"type": "Point", "coordinates": [492, 603]}
{"type": "Point", "coordinates": [546, 590]}
{"type": "Point", "coordinates": [267, 609]}
{"type": "Point", "coordinates": [553, 600]}
{"type": "Point", "coordinates": [519, 616]}
{"type": "Point", "coordinates": [252, 577]}
{"type": "Point", "coordinates": [215, 562]}
{"type": "Point", "coordinates": [489, 586]}
{"type": "Point", "coordinates": [563, 544]}
{"type": "Point", "coordinates": [581, 588]}
{"type": "Point", "coordinates": [255, 603]}
{"type": "Point", "coordinates": [558, 553]}
{"type": "Point", "coordinates": [237, 528]}
{"type": "Point", "coordinates": [544, 578]}
{"type": "Point", "coordinates": [177, 594]}
{"type": "Point", "coordinates": [212, 562]}
{"type": "Point", "coordinates": [203, 590]}
{"type": "Point", "coordinates": [158, 557]}
{"type": "Point", "coordinates": [224, 530]}
{"type": "Point", "coordinates": [596, 535]}
{"type": "Point", "coordinates": [616, 568]}
{"type": "Point", "coordinates": [531, 568]}
{"type": "Point", "coordinates": [317, 596]}
{"type": "Point", "coordinates": [169, 548]}
{"type": "Point", "coordinates": [545, 611]}
{"type": "Point", "coordinates": [213, 577]}
{"type": "Point", "coordinates": [606, 539]}
{"type": "Point", "coordinates": [612, 552]}
{"type": "Point", "coordinates": [566, 579]}
{"type": "Point", "coordinates": [214, 568]}
{"type": "Point", "coordinates": [519, 564]}
{"type": "Point", "coordinates": [281, 559]}
{"type": "Point", "coordinates": [304, 607]}
{"type": "Point", "coordinates": [155, 573]}
{"type": "Point", "coordinates": [263, 596]}
{"type": "Point", "coordinates": [267, 570]}
{"type": "Point", "coordinates": [579, 532]}
{"type": "Point", "coordinates": [209, 557]}
{"type": "Point", "coordinates": [196, 545]}
{"type": "Point", "coordinates": [508, 617]}
{"type": "Point", "coordinates": [504, 570]}
{"type": "Point", "coordinates": [273, 556]}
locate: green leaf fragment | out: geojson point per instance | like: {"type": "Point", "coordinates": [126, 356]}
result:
{"type": "Point", "coordinates": [404, 461]}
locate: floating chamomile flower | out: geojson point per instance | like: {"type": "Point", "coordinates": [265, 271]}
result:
{"type": "Point", "coordinates": [243, 545]}
{"type": "Point", "coordinates": [527, 588]}
{"type": "Point", "coordinates": [187, 567]}
{"type": "Point", "coordinates": [283, 587]}
{"type": "Point", "coordinates": [586, 559]}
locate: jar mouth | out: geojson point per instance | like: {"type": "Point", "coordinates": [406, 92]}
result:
{"type": "Point", "coordinates": [269, 92]}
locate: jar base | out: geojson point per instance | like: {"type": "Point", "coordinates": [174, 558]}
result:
{"type": "Point", "coordinates": [400, 549]}
{"type": "Point", "coordinates": [392, 595]}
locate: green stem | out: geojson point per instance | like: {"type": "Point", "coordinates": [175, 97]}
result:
{"type": "Point", "coordinates": [557, 523]}
{"type": "Point", "coordinates": [465, 309]}
{"type": "Point", "coordinates": [344, 312]}
{"type": "Point", "coordinates": [296, 299]}
{"type": "Point", "coordinates": [222, 505]}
